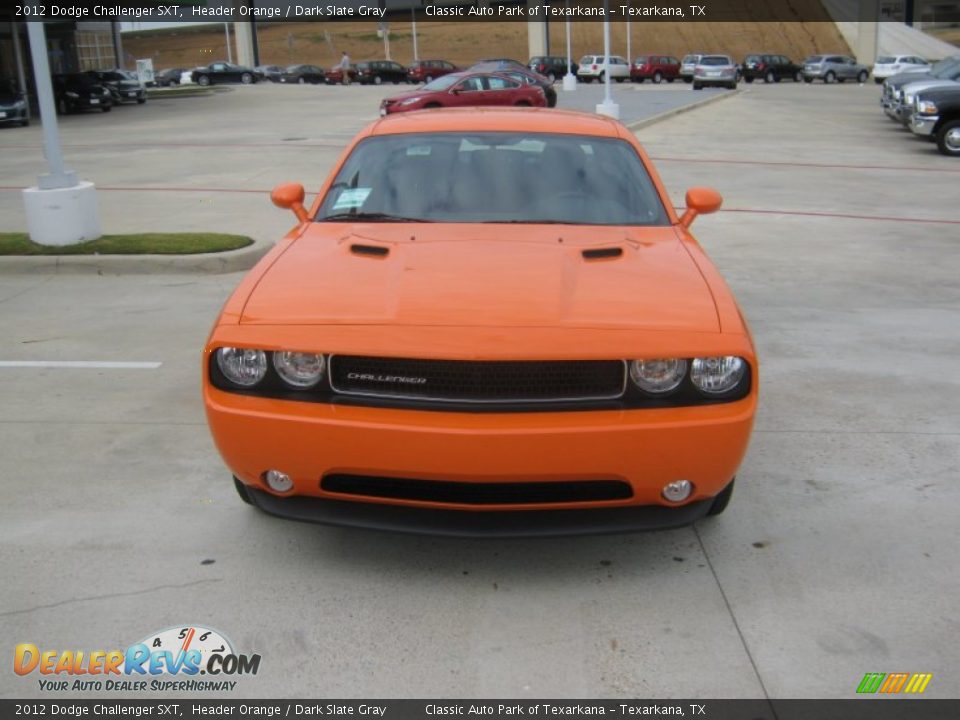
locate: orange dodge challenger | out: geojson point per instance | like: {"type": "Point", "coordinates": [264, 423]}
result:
{"type": "Point", "coordinates": [489, 322]}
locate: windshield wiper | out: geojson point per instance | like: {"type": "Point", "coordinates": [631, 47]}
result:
{"type": "Point", "coordinates": [533, 222]}
{"type": "Point", "coordinates": [372, 217]}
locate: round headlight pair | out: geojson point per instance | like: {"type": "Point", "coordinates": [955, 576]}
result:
{"type": "Point", "coordinates": [246, 367]}
{"type": "Point", "coordinates": [710, 375]}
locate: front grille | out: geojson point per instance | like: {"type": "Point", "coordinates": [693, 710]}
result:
{"type": "Point", "coordinates": [480, 493]}
{"type": "Point", "coordinates": [473, 381]}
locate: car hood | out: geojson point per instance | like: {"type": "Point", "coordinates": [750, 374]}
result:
{"type": "Point", "coordinates": [399, 97]}
{"type": "Point", "coordinates": [471, 275]}
{"type": "Point", "coordinates": [915, 87]}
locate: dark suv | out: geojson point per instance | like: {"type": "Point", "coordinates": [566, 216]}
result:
{"type": "Point", "coordinates": [771, 68]}
{"type": "Point", "coordinates": [423, 71]}
{"type": "Point", "coordinates": [655, 67]}
{"type": "Point", "coordinates": [123, 85]}
{"type": "Point", "coordinates": [375, 72]}
{"type": "Point", "coordinates": [551, 66]}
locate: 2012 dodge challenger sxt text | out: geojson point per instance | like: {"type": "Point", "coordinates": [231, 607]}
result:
{"type": "Point", "coordinates": [490, 322]}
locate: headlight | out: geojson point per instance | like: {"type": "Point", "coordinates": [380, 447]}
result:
{"type": "Point", "coordinates": [71, 94]}
{"type": "Point", "coordinates": [242, 366]}
{"type": "Point", "coordinates": [301, 370]}
{"type": "Point", "coordinates": [410, 101]}
{"type": "Point", "coordinates": [926, 107]}
{"type": "Point", "coordinates": [658, 376]}
{"type": "Point", "coordinates": [717, 375]}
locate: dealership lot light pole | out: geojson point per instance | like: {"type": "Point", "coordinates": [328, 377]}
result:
{"type": "Point", "coordinates": [60, 209]}
{"type": "Point", "coordinates": [569, 80]}
{"type": "Point", "coordinates": [608, 107]}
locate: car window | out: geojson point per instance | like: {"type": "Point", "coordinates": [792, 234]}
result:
{"type": "Point", "coordinates": [219, 67]}
{"type": "Point", "coordinates": [641, 60]}
{"type": "Point", "coordinates": [714, 60]}
{"type": "Point", "coordinates": [501, 83]}
{"type": "Point", "coordinates": [486, 177]}
{"type": "Point", "coordinates": [472, 84]}
{"type": "Point", "coordinates": [442, 83]}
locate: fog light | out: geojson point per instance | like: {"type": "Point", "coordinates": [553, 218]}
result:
{"type": "Point", "coordinates": [678, 490]}
{"type": "Point", "coordinates": [278, 481]}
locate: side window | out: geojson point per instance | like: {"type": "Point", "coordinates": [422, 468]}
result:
{"type": "Point", "coordinates": [219, 67]}
{"type": "Point", "coordinates": [474, 84]}
{"type": "Point", "coordinates": [500, 83]}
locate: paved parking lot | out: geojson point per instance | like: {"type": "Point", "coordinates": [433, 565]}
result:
{"type": "Point", "coordinates": [835, 558]}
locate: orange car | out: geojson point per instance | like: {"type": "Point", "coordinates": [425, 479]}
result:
{"type": "Point", "coordinates": [489, 322]}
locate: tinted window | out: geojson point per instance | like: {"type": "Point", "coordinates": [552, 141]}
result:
{"type": "Point", "coordinates": [715, 60]}
{"type": "Point", "coordinates": [487, 177]}
{"type": "Point", "coordinates": [501, 83]}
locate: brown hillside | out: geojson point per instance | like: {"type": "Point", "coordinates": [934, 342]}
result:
{"type": "Point", "coordinates": [463, 43]}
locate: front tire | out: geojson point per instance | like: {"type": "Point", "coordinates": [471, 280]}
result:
{"type": "Point", "coordinates": [302, 81]}
{"type": "Point", "coordinates": [245, 495]}
{"type": "Point", "coordinates": [769, 77]}
{"type": "Point", "coordinates": [657, 78]}
{"type": "Point", "coordinates": [246, 78]}
{"type": "Point", "coordinates": [798, 76]}
{"type": "Point", "coordinates": [377, 80]}
{"type": "Point", "coordinates": [551, 77]}
{"type": "Point", "coordinates": [862, 76]}
{"type": "Point", "coordinates": [830, 78]}
{"type": "Point", "coordinates": [203, 81]}
{"type": "Point", "coordinates": [721, 501]}
{"type": "Point", "coordinates": [948, 139]}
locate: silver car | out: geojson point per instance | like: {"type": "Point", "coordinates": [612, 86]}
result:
{"type": "Point", "coordinates": [716, 70]}
{"type": "Point", "coordinates": [687, 65]}
{"type": "Point", "coordinates": [834, 68]}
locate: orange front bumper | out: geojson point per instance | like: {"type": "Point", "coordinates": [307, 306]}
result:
{"type": "Point", "coordinates": [644, 448]}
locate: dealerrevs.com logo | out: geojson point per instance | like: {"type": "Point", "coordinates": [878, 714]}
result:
{"type": "Point", "coordinates": [169, 660]}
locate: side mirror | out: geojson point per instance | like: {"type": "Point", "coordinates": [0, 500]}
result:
{"type": "Point", "coordinates": [290, 196]}
{"type": "Point", "coordinates": [700, 201]}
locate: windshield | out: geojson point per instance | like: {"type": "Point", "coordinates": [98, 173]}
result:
{"type": "Point", "coordinates": [690, 58]}
{"type": "Point", "coordinates": [443, 83]}
{"type": "Point", "coordinates": [494, 177]}
{"type": "Point", "coordinates": [946, 68]}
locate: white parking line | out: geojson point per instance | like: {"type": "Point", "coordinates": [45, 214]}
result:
{"type": "Point", "coordinates": [79, 364]}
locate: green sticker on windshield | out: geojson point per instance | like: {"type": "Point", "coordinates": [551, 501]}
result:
{"type": "Point", "coordinates": [351, 198]}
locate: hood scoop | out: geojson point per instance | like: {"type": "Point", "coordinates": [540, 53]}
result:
{"type": "Point", "coordinates": [369, 250]}
{"type": "Point", "coordinates": [607, 253]}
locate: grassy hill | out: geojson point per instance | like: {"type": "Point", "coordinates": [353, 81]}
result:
{"type": "Point", "coordinates": [321, 43]}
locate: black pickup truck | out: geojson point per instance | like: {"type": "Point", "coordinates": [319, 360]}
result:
{"type": "Point", "coordinates": [936, 114]}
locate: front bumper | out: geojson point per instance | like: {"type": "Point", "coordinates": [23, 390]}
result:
{"type": "Point", "coordinates": [498, 524]}
{"type": "Point", "coordinates": [645, 448]}
{"type": "Point", "coordinates": [13, 114]}
{"type": "Point", "coordinates": [923, 125]}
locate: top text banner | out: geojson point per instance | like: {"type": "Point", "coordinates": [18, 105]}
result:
{"type": "Point", "coordinates": [438, 10]}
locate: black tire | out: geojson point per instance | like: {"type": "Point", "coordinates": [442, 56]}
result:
{"type": "Point", "coordinates": [246, 78]}
{"type": "Point", "coordinates": [657, 78]}
{"type": "Point", "coordinates": [602, 78]}
{"type": "Point", "coordinates": [830, 77]}
{"type": "Point", "coordinates": [721, 501]}
{"type": "Point", "coordinates": [797, 76]}
{"type": "Point", "coordinates": [948, 138]}
{"type": "Point", "coordinates": [769, 77]}
{"type": "Point", "coordinates": [245, 496]}
{"type": "Point", "coordinates": [203, 80]}
{"type": "Point", "coordinates": [862, 76]}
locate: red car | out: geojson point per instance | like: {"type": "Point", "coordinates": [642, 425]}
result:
{"type": "Point", "coordinates": [334, 76]}
{"type": "Point", "coordinates": [424, 71]}
{"type": "Point", "coordinates": [466, 88]}
{"type": "Point", "coordinates": [655, 67]}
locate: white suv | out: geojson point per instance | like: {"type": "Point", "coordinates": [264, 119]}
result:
{"type": "Point", "coordinates": [591, 68]}
{"type": "Point", "coordinates": [889, 65]}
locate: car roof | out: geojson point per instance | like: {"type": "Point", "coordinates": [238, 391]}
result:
{"type": "Point", "coordinates": [496, 119]}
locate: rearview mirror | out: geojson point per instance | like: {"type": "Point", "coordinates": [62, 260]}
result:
{"type": "Point", "coordinates": [700, 201]}
{"type": "Point", "coordinates": [290, 196]}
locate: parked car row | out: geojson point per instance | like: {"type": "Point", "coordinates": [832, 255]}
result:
{"type": "Point", "coordinates": [927, 102]}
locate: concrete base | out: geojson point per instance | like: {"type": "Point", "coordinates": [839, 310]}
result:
{"type": "Point", "coordinates": [610, 109]}
{"type": "Point", "coordinates": [569, 82]}
{"type": "Point", "coordinates": [64, 216]}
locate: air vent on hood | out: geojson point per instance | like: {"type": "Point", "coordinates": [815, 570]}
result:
{"type": "Point", "coordinates": [372, 250]}
{"type": "Point", "coordinates": [602, 253]}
